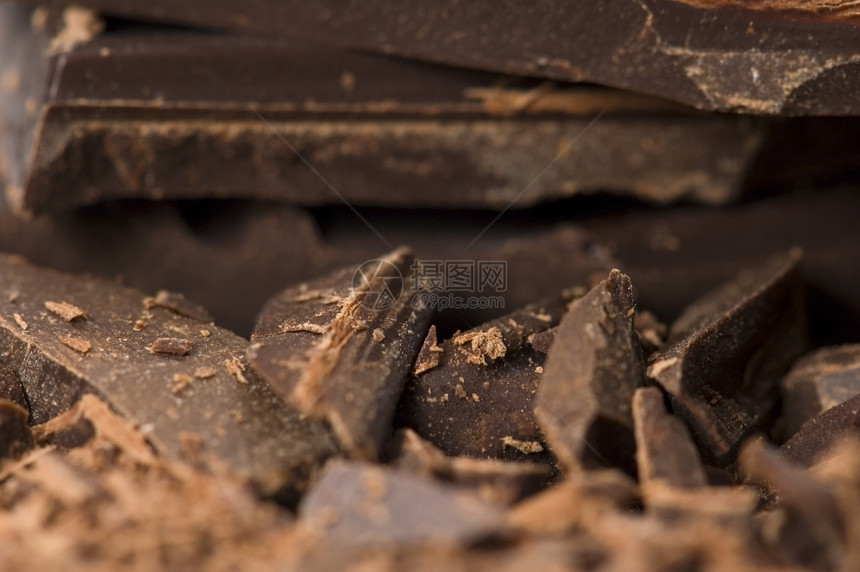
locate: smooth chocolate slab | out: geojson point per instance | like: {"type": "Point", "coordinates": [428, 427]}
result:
{"type": "Point", "coordinates": [817, 382]}
{"type": "Point", "coordinates": [341, 347]}
{"type": "Point", "coordinates": [478, 400]}
{"type": "Point", "coordinates": [795, 58]}
{"type": "Point", "coordinates": [593, 368]}
{"type": "Point", "coordinates": [664, 450]}
{"type": "Point", "coordinates": [117, 115]}
{"type": "Point", "coordinates": [726, 353]}
{"type": "Point", "coordinates": [233, 416]}
{"type": "Point", "coordinates": [359, 503]}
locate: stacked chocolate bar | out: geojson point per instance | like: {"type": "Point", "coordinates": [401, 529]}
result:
{"type": "Point", "coordinates": [423, 285]}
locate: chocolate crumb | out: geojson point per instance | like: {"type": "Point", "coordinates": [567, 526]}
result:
{"type": "Point", "coordinates": [180, 382]}
{"type": "Point", "coordinates": [235, 367]}
{"type": "Point", "coordinates": [204, 372]}
{"type": "Point", "coordinates": [172, 346]}
{"type": "Point", "coordinates": [483, 345]}
{"type": "Point", "coordinates": [20, 321]}
{"type": "Point", "coordinates": [76, 344]}
{"type": "Point", "coordinates": [527, 447]}
{"type": "Point", "coordinates": [66, 311]}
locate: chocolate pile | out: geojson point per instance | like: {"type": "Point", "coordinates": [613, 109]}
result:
{"type": "Point", "coordinates": [624, 334]}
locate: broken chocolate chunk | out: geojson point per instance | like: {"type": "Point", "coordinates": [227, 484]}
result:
{"type": "Point", "coordinates": [15, 434]}
{"type": "Point", "coordinates": [817, 382]}
{"type": "Point", "coordinates": [726, 353]}
{"type": "Point", "coordinates": [594, 366]}
{"type": "Point", "coordinates": [664, 451]}
{"type": "Point", "coordinates": [315, 345]}
{"type": "Point", "coordinates": [358, 503]}
{"type": "Point", "coordinates": [821, 433]}
{"type": "Point", "coordinates": [478, 400]}
{"type": "Point", "coordinates": [244, 427]}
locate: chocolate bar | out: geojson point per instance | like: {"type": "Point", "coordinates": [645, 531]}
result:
{"type": "Point", "coordinates": [207, 395]}
{"type": "Point", "coordinates": [776, 58]}
{"type": "Point", "coordinates": [116, 115]}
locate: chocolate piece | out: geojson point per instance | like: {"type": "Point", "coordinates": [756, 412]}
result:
{"type": "Point", "coordinates": [428, 356]}
{"type": "Point", "coordinates": [664, 451]}
{"type": "Point", "coordinates": [315, 345]}
{"type": "Point", "coordinates": [111, 117]}
{"type": "Point", "coordinates": [789, 58]}
{"type": "Point", "coordinates": [821, 433]}
{"type": "Point", "coordinates": [591, 372]}
{"type": "Point", "coordinates": [723, 359]}
{"type": "Point", "coordinates": [11, 388]}
{"type": "Point", "coordinates": [245, 427]}
{"type": "Point", "coordinates": [493, 481]}
{"type": "Point", "coordinates": [817, 382]}
{"type": "Point", "coordinates": [478, 401]}
{"type": "Point", "coordinates": [15, 435]}
{"type": "Point", "coordinates": [357, 503]}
